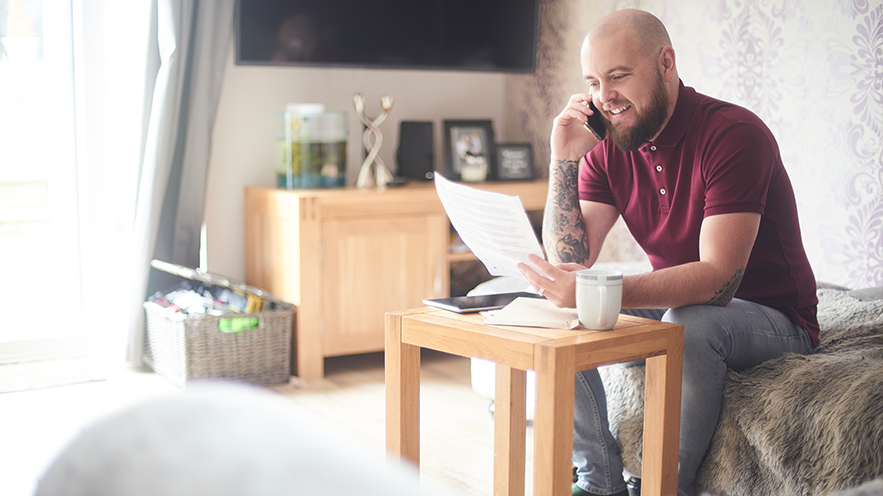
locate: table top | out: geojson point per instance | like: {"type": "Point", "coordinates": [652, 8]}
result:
{"type": "Point", "coordinates": [633, 338]}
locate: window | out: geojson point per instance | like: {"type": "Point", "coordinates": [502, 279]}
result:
{"type": "Point", "coordinates": [39, 226]}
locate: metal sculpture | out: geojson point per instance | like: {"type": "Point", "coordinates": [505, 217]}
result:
{"type": "Point", "coordinates": [374, 169]}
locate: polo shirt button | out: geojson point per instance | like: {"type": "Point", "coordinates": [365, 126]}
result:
{"type": "Point", "coordinates": [658, 168]}
{"type": "Point", "coordinates": [662, 191]}
{"type": "Point", "coordinates": [652, 148]}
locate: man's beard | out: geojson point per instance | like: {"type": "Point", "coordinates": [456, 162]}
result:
{"type": "Point", "coordinates": [647, 123]}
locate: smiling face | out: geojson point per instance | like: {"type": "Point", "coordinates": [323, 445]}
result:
{"type": "Point", "coordinates": [631, 84]}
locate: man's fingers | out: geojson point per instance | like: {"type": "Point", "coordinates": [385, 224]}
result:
{"type": "Point", "coordinates": [570, 266]}
{"type": "Point", "coordinates": [533, 277]}
{"type": "Point", "coordinates": [544, 266]}
{"type": "Point", "coordinates": [581, 99]}
{"type": "Point", "coordinates": [577, 107]}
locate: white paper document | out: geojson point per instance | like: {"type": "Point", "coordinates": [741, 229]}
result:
{"type": "Point", "coordinates": [533, 312]}
{"type": "Point", "coordinates": [493, 225]}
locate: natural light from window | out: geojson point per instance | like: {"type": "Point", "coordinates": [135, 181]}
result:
{"type": "Point", "coordinates": [72, 101]}
{"type": "Point", "coordinates": [39, 242]}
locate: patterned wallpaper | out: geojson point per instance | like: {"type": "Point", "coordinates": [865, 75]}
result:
{"type": "Point", "coordinates": [811, 69]}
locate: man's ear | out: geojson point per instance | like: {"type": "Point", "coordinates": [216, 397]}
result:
{"type": "Point", "coordinates": [667, 63]}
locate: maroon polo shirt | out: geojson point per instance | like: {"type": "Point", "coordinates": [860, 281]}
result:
{"type": "Point", "coordinates": [712, 158]}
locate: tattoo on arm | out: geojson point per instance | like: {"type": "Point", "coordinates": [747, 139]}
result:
{"type": "Point", "coordinates": [569, 249]}
{"type": "Point", "coordinates": [564, 229]}
{"type": "Point", "coordinates": [725, 295]}
{"type": "Point", "coordinates": [567, 185]}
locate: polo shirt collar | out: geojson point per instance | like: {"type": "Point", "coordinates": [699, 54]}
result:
{"type": "Point", "coordinates": [677, 126]}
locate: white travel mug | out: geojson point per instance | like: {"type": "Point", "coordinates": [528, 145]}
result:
{"type": "Point", "coordinates": [598, 298]}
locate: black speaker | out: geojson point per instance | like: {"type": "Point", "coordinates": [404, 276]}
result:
{"type": "Point", "coordinates": [415, 152]}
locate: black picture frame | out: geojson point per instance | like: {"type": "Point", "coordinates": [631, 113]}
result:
{"type": "Point", "coordinates": [468, 143]}
{"type": "Point", "coordinates": [513, 162]}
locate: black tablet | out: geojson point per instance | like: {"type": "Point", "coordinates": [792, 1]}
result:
{"type": "Point", "coordinates": [470, 304]}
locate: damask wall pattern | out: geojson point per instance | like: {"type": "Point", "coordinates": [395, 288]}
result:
{"type": "Point", "coordinates": [811, 69]}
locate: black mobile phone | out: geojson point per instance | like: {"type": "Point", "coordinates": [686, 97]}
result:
{"type": "Point", "coordinates": [595, 124]}
{"type": "Point", "coordinates": [470, 304]}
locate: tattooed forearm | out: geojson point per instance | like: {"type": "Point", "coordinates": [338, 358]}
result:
{"type": "Point", "coordinates": [570, 249]}
{"type": "Point", "coordinates": [725, 295]}
{"type": "Point", "coordinates": [564, 231]}
{"type": "Point", "coordinates": [565, 188]}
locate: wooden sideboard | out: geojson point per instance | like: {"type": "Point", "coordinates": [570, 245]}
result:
{"type": "Point", "coordinates": [345, 257]}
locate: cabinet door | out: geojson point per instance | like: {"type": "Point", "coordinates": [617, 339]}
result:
{"type": "Point", "coordinates": [375, 266]}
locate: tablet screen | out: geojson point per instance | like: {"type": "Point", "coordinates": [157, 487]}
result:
{"type": "Point", "coordinates": [469, 304]}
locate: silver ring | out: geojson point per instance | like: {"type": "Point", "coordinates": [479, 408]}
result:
{"type": "Point", "coordinates": [541, 291]}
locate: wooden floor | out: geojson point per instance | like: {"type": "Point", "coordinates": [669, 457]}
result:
{"type": "Point", "coordinates": [456, 425]}
{"type": "Point", "coordinates": [456, 450]}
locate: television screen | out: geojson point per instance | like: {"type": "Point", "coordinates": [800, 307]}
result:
{"type": "Point", "coordinates": [479, 35]}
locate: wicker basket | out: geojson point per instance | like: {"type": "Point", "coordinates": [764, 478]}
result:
{"type": "Point", "coordinates": [182, 348]}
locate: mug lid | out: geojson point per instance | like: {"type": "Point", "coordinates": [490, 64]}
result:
{"type": "Point", "coordinates": [599, 275]}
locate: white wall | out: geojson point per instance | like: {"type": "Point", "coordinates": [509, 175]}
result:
{"type": "Point", "coordinates": [808, 72]}
{"type": "Point", "coordinates": [243, 147]}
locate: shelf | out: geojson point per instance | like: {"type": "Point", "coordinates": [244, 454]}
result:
{"type": "Point", "coordinates": [462, 257]}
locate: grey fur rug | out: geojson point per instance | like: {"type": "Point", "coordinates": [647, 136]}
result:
{"type": "Point", "coordinates": [795, 425]}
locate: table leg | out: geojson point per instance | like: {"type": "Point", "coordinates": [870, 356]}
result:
{"type": "Point", "coordinates": [510, 425]}
{"type": "Point", "coordinates": [553, 422]}
{"type": "Point", "coordinates": [402, 373]}
{"type": "Point", "coordinates": [662, 416]}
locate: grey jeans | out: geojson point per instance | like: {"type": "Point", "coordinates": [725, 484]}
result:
{"type": "Point", "coordinates": [738, 336]}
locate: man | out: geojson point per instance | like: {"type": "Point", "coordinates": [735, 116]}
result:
{"type": "Point", "coordinates": [701, 186]}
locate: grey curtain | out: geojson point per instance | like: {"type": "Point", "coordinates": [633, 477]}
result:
{"type": "Point", "coordinates": [187, 53]}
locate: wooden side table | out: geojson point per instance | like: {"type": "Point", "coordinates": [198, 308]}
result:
{"type": "Point", "coordinates": [555, 355]}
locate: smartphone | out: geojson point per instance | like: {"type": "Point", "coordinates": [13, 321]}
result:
{"type": "Point", "coordinates": [595, 124]}
{"type": "Point", "coordinates": [470, 304]}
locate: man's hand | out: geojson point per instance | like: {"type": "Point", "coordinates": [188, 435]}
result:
{"type": "Point", "coordinates": [570, 140]}
{"type": "Point", "coordinates": [561, 289]}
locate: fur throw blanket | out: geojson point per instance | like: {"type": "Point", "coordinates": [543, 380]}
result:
{"type": "Point", "coordinates": [794, 425]}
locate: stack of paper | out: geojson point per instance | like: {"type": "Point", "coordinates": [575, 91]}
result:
{"type": "Point", "coordinates": [494, 226]}
{"type": "Point", "coordinates": [533, 312]}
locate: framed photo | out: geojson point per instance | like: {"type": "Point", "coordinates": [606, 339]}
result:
{"type": "Point", "coordinates": [513, 162]}
{"type": "Point", "coordinates": [468, 150]}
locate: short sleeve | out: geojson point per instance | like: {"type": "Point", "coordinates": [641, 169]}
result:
{"type": "Point", "coordinates": [737, 169]}
{"type": "Point", "coordinates": [594, 183]}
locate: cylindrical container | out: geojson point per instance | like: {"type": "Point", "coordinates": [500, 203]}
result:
{"type": "Point", "coordinates": [598, 298]}
{"type": "Point", "coordinates": [311, 148]}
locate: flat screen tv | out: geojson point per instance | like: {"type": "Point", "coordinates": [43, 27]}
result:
{"type": "Point", "coordinates": [469, 35]}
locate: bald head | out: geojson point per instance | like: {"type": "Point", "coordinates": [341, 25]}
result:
{"type": "Point", "coordinates": [629, 66]}
{"type": "Point", "coordinates": [648, 31]}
